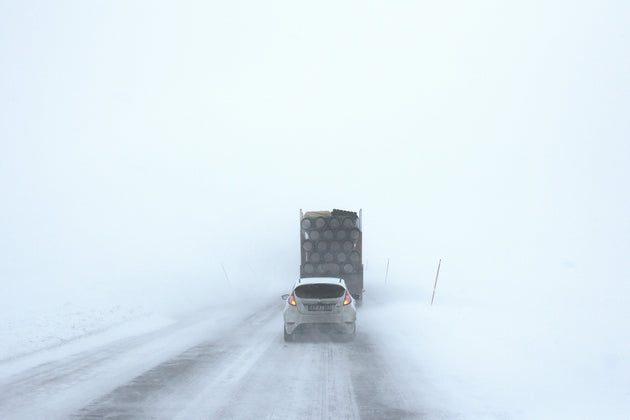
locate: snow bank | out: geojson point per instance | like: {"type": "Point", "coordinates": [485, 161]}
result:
{"type": "Point", "coordinates": [26, 331]}
{"type": "Point", "coordinates": [47, 317]}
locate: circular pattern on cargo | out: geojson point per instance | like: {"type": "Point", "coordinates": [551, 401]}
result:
{"type": "Point", "coordinates": [320, 222]}
{"type": "Point", "coordinates": [340, 235]}
{"type": "Point", "coordinates": [329, 257]}
{"type": "Point", "coordinates": [314, 234]}
{"type": "Point", "coordinates": [333, 268]}
{"type": "Point", "coordinates": [308, 268]}
{"type": "Point", "coordinates": [334, 223]}
{"type": "Point", "coordinates": [355, 234]}
{"type": "Point", "coordinates": [306, 224]}
{"type": "Point", "coordinates": [322, 246]}
{"type": "Point", "coordinates": [314, 257]}
{"type": "Point", "coordinates": [307, 245]}
{"type": "Point", "coordinates": [348, 223]}
{"type": "Point", "coordinates": [329, 235]}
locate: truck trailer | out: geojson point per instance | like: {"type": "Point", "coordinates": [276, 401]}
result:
{"type": "Point", "coordinates": [331, 245]}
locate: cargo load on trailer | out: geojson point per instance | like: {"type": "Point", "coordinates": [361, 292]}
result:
{"type": "Point", "coordinates": [331, 245]}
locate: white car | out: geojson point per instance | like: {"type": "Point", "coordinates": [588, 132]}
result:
{"type": "Point", "coordinates": [321, 304]}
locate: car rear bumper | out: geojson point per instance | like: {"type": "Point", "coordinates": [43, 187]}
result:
{"type": "Point", "coordinates": [323, 328]}
{"type": "Point", "coordinates": [343, 322]}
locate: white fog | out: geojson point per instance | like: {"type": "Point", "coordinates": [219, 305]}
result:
{"type": "Point", "coordinates": [154, 158]}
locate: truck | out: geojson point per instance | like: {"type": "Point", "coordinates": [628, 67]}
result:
{"type": "Point", "coordinates": [331, 245]}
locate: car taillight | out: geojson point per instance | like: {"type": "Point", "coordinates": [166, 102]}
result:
{"type": "Point", "coordinates": [348, 299]}
{"type": "Point", "coordinates": [291, 300]}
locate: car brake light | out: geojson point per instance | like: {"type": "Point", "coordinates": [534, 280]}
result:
{"type": "Point", "coordinates": [291, 300]}
{"type": "Point", "coordinates": [348, 299]}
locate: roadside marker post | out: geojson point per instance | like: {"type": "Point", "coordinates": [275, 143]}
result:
{"type": "Point", "coordinates": [436, 279]}
{"type": "Point", "coordinates": [225, 272]}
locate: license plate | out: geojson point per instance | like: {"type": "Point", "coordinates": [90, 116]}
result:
{"type": "Point", "coordinates": [320, 308]}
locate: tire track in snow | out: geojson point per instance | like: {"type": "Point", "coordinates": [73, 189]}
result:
{"type": "Point", "coordinates": [165, 390]}
{"type": "Point", "coordinates": [245, 371]}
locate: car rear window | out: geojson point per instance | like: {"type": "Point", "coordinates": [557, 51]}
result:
{"type": "Point", "coordinates": [319, 291]}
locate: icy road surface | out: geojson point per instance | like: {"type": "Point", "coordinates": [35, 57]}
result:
{"type": "Point", "coordinates": [213, 366]}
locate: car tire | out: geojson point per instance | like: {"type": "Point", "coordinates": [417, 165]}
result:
{"type": "Point", "coordinates": [353, 334]}
{"type": "Point", "coordinates": [287, 337]}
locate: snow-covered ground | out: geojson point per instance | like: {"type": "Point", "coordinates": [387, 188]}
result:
{"type": "Point", "coordinates": [464, 357]}
{"type": "Point", "coordinates": [25, 332]}
{"type": "Point", "coordinates": [48, 323]}
{"type": "Point", "coordinates": [560, 359]}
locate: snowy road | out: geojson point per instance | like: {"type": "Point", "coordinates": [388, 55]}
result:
{"type": "Point", "coordinates": [213, 367]}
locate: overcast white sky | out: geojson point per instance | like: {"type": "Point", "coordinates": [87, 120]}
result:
{"type": "Point", "coordinates": [145, 141]}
